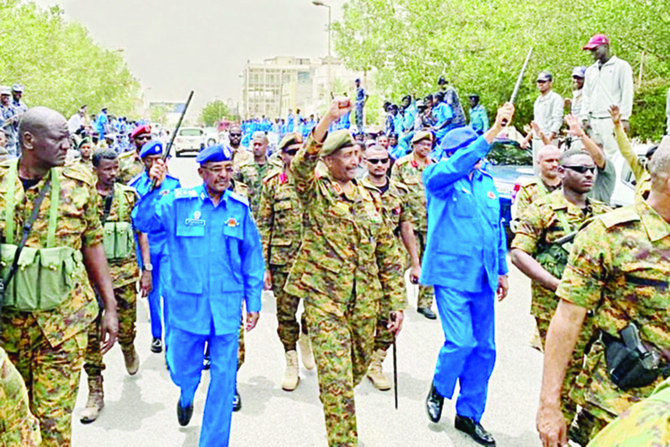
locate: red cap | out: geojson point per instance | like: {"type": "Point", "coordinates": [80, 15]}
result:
{"type": "Point", "coordinates": [596, 41]}
{"type": "Point", "coordinates": [140, 130]}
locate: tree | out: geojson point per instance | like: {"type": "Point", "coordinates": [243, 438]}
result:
{"type": "Point", "coordinates": [215, 111]}
{"type": "Point", "coordinates": [480, 45]}
{"type": "Point", "coordinates": [59, 64]}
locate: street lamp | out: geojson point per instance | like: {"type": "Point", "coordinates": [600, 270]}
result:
{"type": "Point", "coordinates": [320, 3]}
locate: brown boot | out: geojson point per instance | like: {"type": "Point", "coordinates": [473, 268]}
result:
{"type": "Point", "coordinates": [306, 351]}
{"type": "Point", "coordinates": [96, 400]}
{"type": "Point", "coordinates": [131, 359]}
{"type": "Point", "coordinates": [375, 373]}
{"type": "Point", "coordinates": [291, 377]}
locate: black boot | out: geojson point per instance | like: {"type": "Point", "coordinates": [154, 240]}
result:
{"type": "Point", "coordinates": [475, 430]}
{"type": "Point", "coordinates": [237, 401]}
{"type": "Point", "coordinates": [434, 403]}
{"type": "Point", "coordinates": [184, 413]}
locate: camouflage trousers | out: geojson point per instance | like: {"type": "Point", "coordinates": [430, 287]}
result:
{"type": "Point", "coordinates": [342, 336]}
{"type": "Point", "coordinates": [18, 426]}
{"type": "Point", "coordinates": [126, 304]}
{"type": "Point", "coordinates": [568, 405]}
{"type": "Point", "coordinates": [426, 293]}
{"type": "Point", "coordinates": [51, 374]}
{"type": "Point", "coordinates": [383, 337]}
{"type": "Point", "coordinates": [288, 328]}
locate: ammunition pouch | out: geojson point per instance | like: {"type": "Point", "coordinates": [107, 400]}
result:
{"type": "Point", "coordinates": [44, 277]}
{"type": "Point", "coordinates": [118, 240]}
{"type": "Point", "coordinates": [554, 258]}
{"type": "Point", "coordinates": [631, 364]}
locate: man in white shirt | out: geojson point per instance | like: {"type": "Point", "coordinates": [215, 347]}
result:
{"type": "Point", "coordinates": [609, 81]}
{"type": "Point", "coordinates": [667, 111]}
{"type": "Point", "coordinates": [547, 114]}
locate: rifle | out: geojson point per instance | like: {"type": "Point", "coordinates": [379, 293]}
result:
{"type": "Point", "coordinates": [515, 92]}
{"type": "Point", "coordinates": [166, 153]}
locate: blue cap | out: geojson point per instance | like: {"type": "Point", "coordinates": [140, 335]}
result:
{"type": "Point", "coordinates": [153, 147]}
{"type": "Point", "coordinates": [218, 152]}
{"type": "Point", "coordinates": [458, 138]}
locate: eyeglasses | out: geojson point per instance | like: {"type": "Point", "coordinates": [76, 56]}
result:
{"type": "Point", "coordinates": [375, 161]}
{"type": "Point", "coordinates": [582, 169]}
{"type": "Point", "coordinates": [235, 134]}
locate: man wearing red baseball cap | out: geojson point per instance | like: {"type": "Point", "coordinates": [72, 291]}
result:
{"type": "Point", "coordinates": [609, 81]}
{"type": "Point", "coordinates": [130, 163]}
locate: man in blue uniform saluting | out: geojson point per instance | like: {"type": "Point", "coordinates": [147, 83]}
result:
{"type": "Point", "coordinates": [217, 261]}
{"type": "Point", "coordinates": [465, 262]}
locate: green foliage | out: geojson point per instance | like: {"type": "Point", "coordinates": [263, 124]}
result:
{"type": "Point", "coordinates": [480, 45]}
{"type": "Point", "coordinates": [59, 64]}
{"type": "Point", "coordinates": [213, 112]}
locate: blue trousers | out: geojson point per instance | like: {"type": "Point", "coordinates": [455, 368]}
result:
{"type": "Point", "coordinates": [469, 352]}
{"type": "Point", "coordinates": [185, 359]}
{"type": "Point", "coordinates": [156, 308]}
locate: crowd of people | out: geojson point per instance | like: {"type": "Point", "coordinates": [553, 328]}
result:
{"type": "Point", "coordinates": [334, 219]}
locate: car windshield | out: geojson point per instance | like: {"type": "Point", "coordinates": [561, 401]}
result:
{"type": "Point", "coordinates": [190, 132]}
{"type": "Point", "coordinates": [508, 152]}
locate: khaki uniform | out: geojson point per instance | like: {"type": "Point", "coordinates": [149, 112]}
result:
{"type": "Point", "coordinates": [47, 347]}
{"type": "Point", "coordinates": [619, 269]}
{"type": "Point", "coordinates": [347, 267]}
{"type": "Point", "coordinates": [241, 157]}
{"type": "Point", "coordinates": [408, 172]}
{"type": "Point", "coordinates": [642, 177]}
{"type": "Point", "coordinates": [395, 211]}
{"type": "Point", "coordinates": [18, 427]}
{"type": "Point", "coordinates": [130, 166]}
{"type": "Point", "coordinates": [124, 273]}
{"type": "Point", "coordinates": [539, 227]}
{"type": "Point", "coordinates": [280, 222]}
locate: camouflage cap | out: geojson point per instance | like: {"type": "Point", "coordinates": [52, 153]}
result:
{"type": "Point", "coordinates": [289, 140]}
{"type": "Point", "coordinates": [336, 141]}
{"type": "Point", "coordinates": [422, 135]}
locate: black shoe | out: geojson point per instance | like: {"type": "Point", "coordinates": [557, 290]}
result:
{"type": "Point", "coordinates": [426, 312]}
{"type": "Point", "coordinates": [184, 413]}
{"type": "Point", "coordinates": [156, 345]}
{"type": "Point", "coordinates": [475, 430]}
{"type": "Point", "coordinates": [237, 401]}
{"type": "Point", "coordinates": [434, 403]}
{"type": "Point", "coordinates": [206, 363]}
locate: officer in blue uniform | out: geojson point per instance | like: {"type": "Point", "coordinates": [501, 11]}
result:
{"type": "Point", "coordinates": [443, 115]}
{"type": "Point", "coordinates": [150, 153]}
{"type": "Point", "coordinates": [465, 262]}
{"type": "Point", "coordinates": [217, 262]}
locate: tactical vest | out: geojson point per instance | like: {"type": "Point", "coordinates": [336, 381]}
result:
{"type": "Point", "coordinates": [118, 239]}
{"type": "Point", "coordinates": [554, 257]}
{"type": "Point", "coordinates": [45, 276]}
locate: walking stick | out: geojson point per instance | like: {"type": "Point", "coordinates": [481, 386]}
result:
{"type": "Point", "coordinates": [395, 373]}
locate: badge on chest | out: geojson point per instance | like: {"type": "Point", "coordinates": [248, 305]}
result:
{"type": "Point", "coordinates": [196, 221]}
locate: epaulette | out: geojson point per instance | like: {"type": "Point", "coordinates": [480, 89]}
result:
{"type": "Point", "coordinates": [126, 154]}
{"type": "Point", "coordinates": [528, 181]}
{"type": "Point", "coordinates": [270, 175]}
{"type": "Point", "coordinates": [185, 193]}
{"type": "Point", "coordinates": [239, 198]}
{"type": "Point", "coordinates": [404, 159]}
{"type": "Point", "coordinates": [368, 185]}
{"type": "Point", "coordinates": [77, 173]}
{"type": "Point", "coordinates": [618, 216]}
{"type": "Point", "coordinates": [400, 185]}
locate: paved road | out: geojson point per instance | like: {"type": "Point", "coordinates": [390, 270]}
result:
{"type": "Point", "coordinates": [140, 410]}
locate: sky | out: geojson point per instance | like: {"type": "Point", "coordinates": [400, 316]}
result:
{"type": "Point", "coordinates": [173, 46]}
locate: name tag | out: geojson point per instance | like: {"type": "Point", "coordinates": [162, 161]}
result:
{"type": "Point", "coordinates": [195, 222]}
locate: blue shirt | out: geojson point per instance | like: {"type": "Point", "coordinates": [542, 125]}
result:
{"type": "Point", "coordinates": [479, 120]}
{"type": "Point", "coordinates": [442, 113]}
{"type": "Point", "coordinates": [466, 246]}
{"type": "Point", "coordinates": [217, 257]}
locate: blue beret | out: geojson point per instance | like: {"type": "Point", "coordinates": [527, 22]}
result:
{"type": "Point", "coordinates": [458, 138]}
{"type": "Point", "coordinates": [218, 152]}
{"type": "Point", "coordinates": [153, 147]}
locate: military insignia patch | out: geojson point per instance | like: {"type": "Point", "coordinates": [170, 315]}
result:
{"type": "Point", "coordinates": [232, 222]}
{"type": "Point", "coordinates": [197, 215]}
{"type": "Point", "coordinates": [491, 195]}
{"type": "Point", "coordinates": [165, 192]}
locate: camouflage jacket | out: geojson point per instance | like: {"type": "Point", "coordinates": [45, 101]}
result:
{"type": "Point", "coordinates": [407, 171]}
{"type": "Point", "coordinates": [539, 227]}
{"type": "Point", "coordinates": [78, 225]}
{"type": "Point", "coordinates": [122, 271]}
{"type": "Point", "coordinates": [346, 248]}
{"type": "Point", "coordinates": [619, 268]}
{"type": "Point", "coordinates": [18, 427]}
{"type": "Point", "coordinates": [395, 206]}
{"type": "Point", "coordinates": [530, 192]}
{"type": "Point", "coordinates": [241, 157]}
{"type": "Point", "coordinates": [252, 174]}
{"type": "Point", "coordinates": [130, 166]}
{"type": "Point", "coordinates": [280, 219]}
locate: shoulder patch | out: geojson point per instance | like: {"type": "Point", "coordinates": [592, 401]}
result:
{"type": "Point", "coordinates": [185, 193]}
{"type": "Point", "coordinates": [270, 175]}
{"type": "Point", "coordinates": [78, 174]}
{"type": "Point", "coordinates": [618, 216]}
{"type": "Point", "coordinates": [239, 198]}
{"type": "Point", "coordinates": [403, 160]}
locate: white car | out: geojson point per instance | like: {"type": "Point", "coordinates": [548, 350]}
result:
{"type": "Point", "coordinates": [624, 189]}
{"type": "Point", "coordinates": [189, 139]}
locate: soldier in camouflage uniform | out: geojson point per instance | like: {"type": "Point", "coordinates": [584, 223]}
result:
{"type": "Point", "coordinates": [280, 219]}
{"type": "Point", "coordinates": [18, 427]}
{"type": "Point", "coordinates": [541, 185]}
{"type": "Point", "coordinates": [47, 346]}
{"type": "Point", "coordinates": [538, 252]}
{"type": "Point", "coordinates": [646, 423]}
{"type": "Point", "coordinates": [347, 267]}
{"type": "Point", "coordinates": [241, 156]}
{"type": "Point", "coordinates": [130, 163]}
{"type": "Point", "coordinates": [115, 204]}
{"type": "Point", "coordinates": [396, 213]}
{"type": "Point", "coordinates": [618, 268]}
{"type": "Point", "coordinates": [408, 170]}
{"type": "Point", "coordinates": [253, 172]}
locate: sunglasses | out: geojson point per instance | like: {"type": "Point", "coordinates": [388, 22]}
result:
{"type": "Point", "coordinates": [582, 169]}
{"type": "Point", "coordinates": [235, 134]}
{"type": "Point", "coordinates": [374, 161]}
{"type": "Point", "coordinates": [143, 137]}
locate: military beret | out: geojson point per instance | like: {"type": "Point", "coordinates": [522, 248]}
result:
{"type": "Point", "coordinates": [139, 130]}
{"type": "Point", "coordinates": [336, 141]}
{"type": "Point", "coordinates": [422, 135]}
{"type": "Point", "coordinates": [83, 141]}
{"type": "Point", "coordinates": [217, 152]}
{"type": "Point", "coordinates": [289, 140]}
{"type": "Point", "coordinates": [458, 138]}
{"type": "Point", "coordinates": [153, 147]}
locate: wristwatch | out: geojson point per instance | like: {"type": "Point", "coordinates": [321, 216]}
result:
{"type": "Point", "coordinates": [148, 267]}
